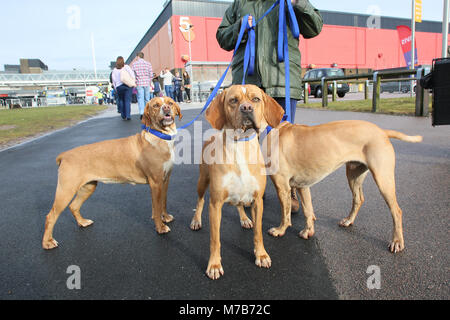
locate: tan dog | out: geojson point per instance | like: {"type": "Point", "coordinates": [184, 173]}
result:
{"type": "Point", "coordinates": [240, 177]}
{"type": "Point", "coordinates": [309, 154]}
{"type": "Point", "coordinates": [139, 159]}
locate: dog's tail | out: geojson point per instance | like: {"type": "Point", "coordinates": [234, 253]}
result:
{"type": "Point", "coordinates": [401, 136]}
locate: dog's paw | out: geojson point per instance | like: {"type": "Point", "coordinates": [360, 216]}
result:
{"type": "Point", "coordinates": [167, 218]}
{"type": "Point", "coordinates": [196, 225]}
{"type": "Point", "coordinates": [83, 223]}
{"type": "Point", "coordinates": [163, 229]}
{"type": "Point", "coordinates": [396, 246]}
{"type": "Point", "coordinates": [263, 261]}
{"type": "Point", "coordinates": [50, 244]}
{"type": "Point", "coordinates": [346, 222]}
{"type": "Point", "coordinates": [306, 233]}
{"type": "Point", "coordinates": [277, 232]}
{"type": "Point", "coordinates": [246, 224]}
{"type": "Point", "coordinates": [214, 271]}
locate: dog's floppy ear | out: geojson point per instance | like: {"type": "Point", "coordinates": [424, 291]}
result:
{"type": "Point", "coordinates": [146, 120]}
{"type": "Point", "coordinates": [273, 112]}
{"type": "Point", "coordinates": [215, 114]}
{"type": "Point", "coordinates": [178, 111]}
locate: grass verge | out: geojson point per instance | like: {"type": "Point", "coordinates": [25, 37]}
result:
{"type": "Point", "coordinates": [19, 124]}
{"type": "Point", "coordinates": [396, 106]}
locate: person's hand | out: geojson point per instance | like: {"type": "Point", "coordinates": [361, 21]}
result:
{"type": "Point", "coordinates": [250, 21]}
{"type": "Point", "coordinates": [294, 1]}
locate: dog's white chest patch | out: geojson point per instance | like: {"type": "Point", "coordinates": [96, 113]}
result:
{"type": "Point", "coordinates": [150, 138]}
{"type": "Point", "coordinates": [241, 186]}
{"type": "Point", "coordinates": [168, 165]}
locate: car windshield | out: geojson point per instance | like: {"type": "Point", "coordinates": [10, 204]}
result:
{"type": "Point", "coordinates": [335, 72]}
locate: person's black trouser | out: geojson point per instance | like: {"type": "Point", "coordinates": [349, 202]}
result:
{"type": "Point", "coordinates": [188, 93]}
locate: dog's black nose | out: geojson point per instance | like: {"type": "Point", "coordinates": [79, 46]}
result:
{"type": "Point", "coordinates": [246, 108]}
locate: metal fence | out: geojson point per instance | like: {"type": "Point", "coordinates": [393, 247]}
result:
{"type": "Point", "coordinates": [374, 80]}
{"type": "Point", "coordinates": [201, 90]}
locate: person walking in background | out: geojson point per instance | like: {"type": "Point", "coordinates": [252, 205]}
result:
{"type": "Point", "coordinates": [156, 87]}
{"type": "Point", "coordinates": [152, 89]}
{"type": "Point", "coordinates": [116, 97]}
{"type": "Point", "coordinates": [187, 85]}
{"type": "Point", "coordinates": [269, 74]}
{"type": "Point", "coordinates": [177, 84]}
{"type": "Point", "coordinates": [144, 72]}
{"type": "Point", "coordinates": [167, 77]}
{"type": "Point", "coordinates": [112, 96]}
{"type": "Point", "coordinates": [124, 92]}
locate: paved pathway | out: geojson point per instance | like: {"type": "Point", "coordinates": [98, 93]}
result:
{"type": "Point", "coordinates": [122, 257]}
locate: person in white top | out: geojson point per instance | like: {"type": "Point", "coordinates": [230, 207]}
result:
{"type": "Point", "coordinates": [167, 79]}
{"type": "Point", "coordinates": [124, 92]}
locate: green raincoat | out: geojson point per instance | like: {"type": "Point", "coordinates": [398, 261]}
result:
{"type": "Point", "coordinates": [269, 73]}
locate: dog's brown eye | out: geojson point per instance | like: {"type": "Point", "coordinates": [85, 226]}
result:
{"type": "Point", "coordinates": [256, 99]}
{"type": "Point", "coordinates": [233, 100]}
{"type": "Point", "coordinates": [155, 106]}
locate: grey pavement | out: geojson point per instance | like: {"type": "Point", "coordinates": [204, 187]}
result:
{"type": "Point", "coordinates": [122, 257]}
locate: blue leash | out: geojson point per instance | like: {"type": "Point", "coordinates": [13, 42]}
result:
{"type": "Point", "coordinates": [249, 61]}
{"type": "Point", "coordinates": [282, 48]}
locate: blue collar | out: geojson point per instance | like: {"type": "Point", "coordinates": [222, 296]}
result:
{"type": "Point", "coordinates": [159, 134]}
{"type": "Point", "coordinates": [247, 138]}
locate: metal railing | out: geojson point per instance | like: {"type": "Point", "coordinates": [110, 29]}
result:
{"type": "Point", "coordinates": [422, 96]}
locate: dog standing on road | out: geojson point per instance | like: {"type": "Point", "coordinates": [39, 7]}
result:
{"type": "Point", "coordinates": [239, 176]}
{"type": "Point", "coordinates": [139, 159]}
{"type": "Point", "coordinates": [309, 154]}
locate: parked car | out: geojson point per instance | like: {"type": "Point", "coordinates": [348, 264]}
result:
{"type": "Point", "coordinates": [396, 86]}
{"type": "Point", "coordinates": [316, 88]}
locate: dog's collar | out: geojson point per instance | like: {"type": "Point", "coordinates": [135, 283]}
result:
{"type": "Point", "coordinates": [247, 138]}
{"type": "Point", "coordinates": [159, 134]}
{"type": "Point", "coordinates": [251, 137]}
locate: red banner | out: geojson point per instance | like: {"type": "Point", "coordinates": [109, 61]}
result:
{"type": "Point", "coordinates": [404, 35]}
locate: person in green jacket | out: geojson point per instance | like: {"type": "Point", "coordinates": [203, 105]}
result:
{"type": "Point", "coordinates": [269, 72]}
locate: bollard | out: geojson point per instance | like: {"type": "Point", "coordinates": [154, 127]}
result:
{"type": "Point", "coordinates": [324, 92]}
{"type": "Point", "coordinates": [422, 96]}
{"type": "Point", "coordinates": [333, 98]}
{"type": "Point", "coordinates": [376, 92]}
{"type": "Point", "coordinates": [305, 93]}
{"type": "Point", "coordinates": [366, 90]}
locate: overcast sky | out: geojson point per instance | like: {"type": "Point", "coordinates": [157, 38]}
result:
{"type": "Point", "coordinates": [59, 31]}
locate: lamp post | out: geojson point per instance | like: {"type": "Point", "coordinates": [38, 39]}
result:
{"type": "Point", "coordinates": [190, 52]}
{"type": "Point", "coordinates": [413, 43]}
{"type": "Point", "coordinates": [445, 29]}
{"type": "Point", "coordinates": [190, 60]}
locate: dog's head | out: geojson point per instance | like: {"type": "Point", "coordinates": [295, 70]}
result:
{"type": "Point", "coordinates": [160, 114]}
{"type": "Point", "coordinates": [244, 107]}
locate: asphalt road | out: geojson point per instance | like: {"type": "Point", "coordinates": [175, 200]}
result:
{"type": "Point", "coordinates": [122, 257]}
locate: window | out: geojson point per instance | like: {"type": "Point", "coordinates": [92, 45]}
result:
{"type": "Point", "coordinates": [335, 73]}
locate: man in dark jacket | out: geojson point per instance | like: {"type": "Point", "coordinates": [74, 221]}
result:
{"type": "Point", "coordinates": [269, 73]}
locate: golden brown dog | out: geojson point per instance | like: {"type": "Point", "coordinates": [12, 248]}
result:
{"type": "Point", "coordinates": [139, 159]}
{"type": "Point", "coordinates": [234, 169]}
{"type": "Point", "coordinates": [309, 154]}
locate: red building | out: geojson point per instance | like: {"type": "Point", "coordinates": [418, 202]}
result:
{"type": "Point", "coordinates": [345, 40]}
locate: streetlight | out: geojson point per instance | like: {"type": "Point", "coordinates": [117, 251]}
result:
{"type": "Point", "coordinates": [190, 52]}
{"type": "Point", "coordinates": [445, 29]}
{"type": "Point", "coordinates": [190, 60]}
